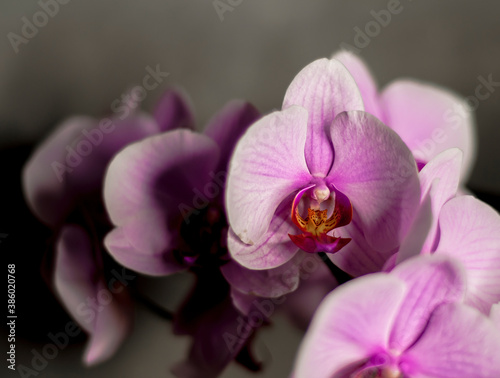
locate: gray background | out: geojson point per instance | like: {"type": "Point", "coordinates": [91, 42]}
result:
{"type": "Point", "coordinates": [93, 51]}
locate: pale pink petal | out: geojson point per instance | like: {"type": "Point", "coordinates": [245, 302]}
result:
{"type": "Point", "coordinates": [268, 164]}
{"type": "Point", "coordinates": [431, 281]}
{"type": "Point", "coordinates": [325, 88]}
{"type": "Point", "coordinates": [375, 170]}
{"type": "Point", "coordinates": [439, 182]}
{"type": "Point", "coordinates": [364, 80]}
{"type": "Point", "coordinates": [430, 120]}
{"type": "Point", "coordinates": [444, 172]}
{"type": "Point", "coordinates": [470, 233]}
{"type": "Point", "coordinates": [458, 341]}
{"type": "Point", "coordinates": [422, 225]}
{"type": "Point", "coordinates": [352, 323]}
{"type": "Point", "coordinates": [274, 249]}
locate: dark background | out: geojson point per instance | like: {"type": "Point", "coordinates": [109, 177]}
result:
{"type": "Point", "coordinates": [92, 51]}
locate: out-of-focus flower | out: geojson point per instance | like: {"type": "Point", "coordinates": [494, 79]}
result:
{"type": "Point", "coordinates": [164, 195]}
{"type": "Point", "coordinates": [220, 332]}
{"type": "Point", "coordinates": [321, 157]}
{"type": "Point", "coordinates": [411, 323]}
{"type": "Point", "coordinates": [428, 118]}
{"type": "Point", "coordinates": [62, 184]}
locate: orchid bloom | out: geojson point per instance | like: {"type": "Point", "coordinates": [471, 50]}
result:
{"type": "Point", "coordinates": [321, 156]}
{"type": "Point", "coordinates": [164, 195]}
{"type": "Point", "coordinates": [428, 118]}
{"type": "Point", "coordinates": [409, 323]}
{"type": "Point", "coordinates": [71, 205]}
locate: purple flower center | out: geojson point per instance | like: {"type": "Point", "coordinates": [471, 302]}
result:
{"type": "Point", "coordinates": [203, 238]}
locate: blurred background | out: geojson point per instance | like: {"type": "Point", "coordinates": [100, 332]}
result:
{"type": "Point", "coordinates": [91, 52]}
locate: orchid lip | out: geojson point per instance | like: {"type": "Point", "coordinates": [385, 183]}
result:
{"type": "Point", "coordinates": [317, 224]}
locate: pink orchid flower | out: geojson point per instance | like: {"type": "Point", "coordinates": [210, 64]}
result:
{"type": "Point", "coordinates": [411, 322]}
{"type": "Point", "coordinates": [321, 156]}
{"type": "Point", "coordinates": [69, 201]}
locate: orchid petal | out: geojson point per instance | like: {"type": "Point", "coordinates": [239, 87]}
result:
{"type": "Point", "coordinates": [418, 240]}
{"type": "Point", "coordinates": [75, 272]}
{"type": "Point", "coordinates": [430, 120]}
{"type": "Point", "coordinates": [227, 127]}
{"type": "Point", "coordinates": [77, 281]}
{"type": "Point", "coordinates": [162, 172]}
{"type": "Point", "coordinates": [458, 341]}
{"type": "Point", "coordinates": [268, 164]}
{"type": "Point", "coordinates": [72, 161]}
{"type": "Point", "coordinates": [364, 80]}
{"type": "Point", "coordinates": [89, 174]}
{"type": "Point", "coordinates": [325, 88]}
{"type": "Point", "coordinates": [358, 258]}
{"type": "Point", "coordinates": [112, 325]}
{"type": "Point", "coordinates": [439, 181]}
{"type": "Point", "coordinates": [342, 333]}
{"type": "Point", "coordinates": [469, 232]}
{"type": "Point", "coordinates": [431, 281]}
{"type": "Point", "coordinates": [375, 170]}
{"type": "Point", "coordinates": [273, 250]}
{"type": "Point", "coordinates": [144, 244]}
{"type": "Point", "coordinates": [174, 111]}
{"type": "Point", "coordinates": [45, 190]}
{"type": "Point", "coordinates": [446, 168]}
{"type": "Point", "coordinates": [269, 283]}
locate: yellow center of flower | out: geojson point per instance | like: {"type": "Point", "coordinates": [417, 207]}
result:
{"type": "Point", "coordinates": [316, 222]}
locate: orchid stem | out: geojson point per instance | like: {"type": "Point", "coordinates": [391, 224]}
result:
{"type": "Point", "coordinates": [341, 276]}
